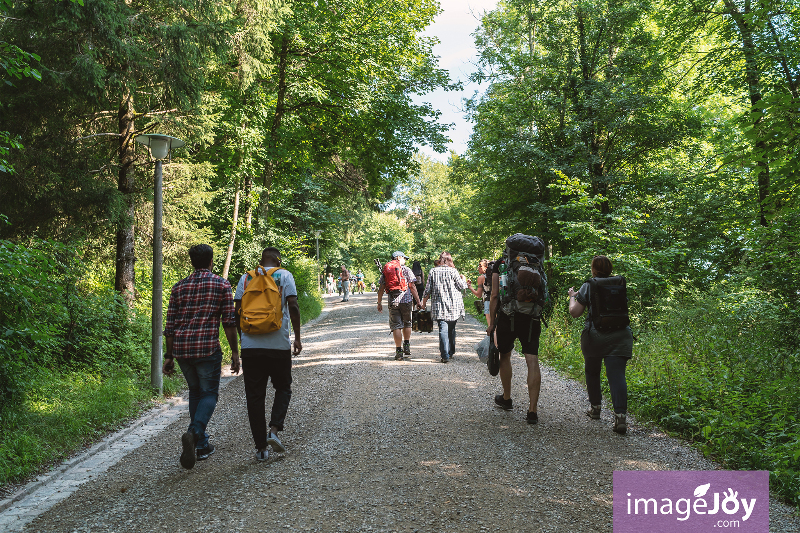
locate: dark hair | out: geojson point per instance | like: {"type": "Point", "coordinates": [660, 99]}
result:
{"type": "Point", "coordinates": [271, 252]}
{"type": "Point", "coordinates": [416, 268]}
{"type": "Point", "coordinates": [601, 265]}
{"type": "Point", "coordinates": [445, 259]}
{"type": "Point", "coordinates": [201, 255]}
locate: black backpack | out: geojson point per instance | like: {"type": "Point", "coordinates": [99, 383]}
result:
{"type": "Point", "coordinates": [523, 253]}
{"type": "Point", "coordinates": [608, 298]}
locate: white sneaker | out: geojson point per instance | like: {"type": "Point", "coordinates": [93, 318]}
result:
{"type": "Point", "coordinates": [275, 442]}
{"type": "Point", "coordinates": [262, 456]}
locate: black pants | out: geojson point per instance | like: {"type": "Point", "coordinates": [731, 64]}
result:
{"type": "Point", "coordinates": [258, 366]}
{"type": "Point", "coordinates": [615, 372]}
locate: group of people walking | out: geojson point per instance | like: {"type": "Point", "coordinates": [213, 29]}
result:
{"type": "Point", "coordinates": [509, 321]}
{"type": "Point", "coordinates": [345, 282]}
{"type": "Point", "coordinates": [511, 295]}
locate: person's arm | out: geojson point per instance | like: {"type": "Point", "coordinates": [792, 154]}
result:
{"type": "Point", "coordinates": [415, 294]}
{"type": "Point", "coordinates": [294, 315]}
{"type": "Point", "coordinates": [479, 282]}
{"type": "Point", "coordinates": [231, 334]}
{"type": "Point", "coordinates": [493, 304]}
{"type": "Point", "coordinates": [169, 334]}
{"type": "Point", "coordinates": [169, 362]}
{"type": "Point", "coordinates": [381, 289]}
{"type": "Point", "coordinates": [576, 308]}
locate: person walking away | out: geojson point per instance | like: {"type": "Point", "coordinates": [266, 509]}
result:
{"type": "Point", "coordinates": [444, 288]}
{"type": "Point", "coordinates": [416, 268]}
{"type": "Point", "coordinates": [401, 298]}
{"type": "Point", "coordinates": [267, 351]}
{"type": "Point", "coordinates": [518, 294]}
{"type": "Point", "coordinates": [197, 305]}
{"type": "Point", "coordinates": [606, 337]}
{"type": "Point", "coordinates": [362, 287]}
{"type": "Point", "coordinates": [345, 277]}
{"type": "Point", "coordinates": [484, 284]}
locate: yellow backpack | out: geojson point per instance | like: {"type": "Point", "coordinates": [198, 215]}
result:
{"type": "Point", "coordinates": [261, 310]}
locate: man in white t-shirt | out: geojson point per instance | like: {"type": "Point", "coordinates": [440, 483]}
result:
{"type": "Point", "coordinates": [269, 356]}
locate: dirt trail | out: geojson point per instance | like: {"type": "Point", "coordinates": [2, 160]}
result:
{"type": "Point", "coordinates": [379, 445]}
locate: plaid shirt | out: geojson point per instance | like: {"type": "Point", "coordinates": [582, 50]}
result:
{"type": "Point", "coordinates": [444, 288]}
{"type": "Point", "coordinates": [196, 306]}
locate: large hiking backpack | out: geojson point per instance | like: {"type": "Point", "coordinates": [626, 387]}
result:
{"type": "Point", "coordinates": [608, 298]}
{"type": "Point", "coordinates": [395, 282]}
{"type": "Point", "coordinates": [261, 310]}
{"type": "Point", "coordinates": [525, 289]}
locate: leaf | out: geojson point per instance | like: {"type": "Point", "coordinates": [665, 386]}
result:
{"type": "Point", "coordinates": [700, 491]}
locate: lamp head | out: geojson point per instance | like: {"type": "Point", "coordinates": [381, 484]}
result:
{"type": "Point", "coordinates": [160, 145]}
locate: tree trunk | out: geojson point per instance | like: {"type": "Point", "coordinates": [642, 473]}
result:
{"type": "Point", "coordinates": [228, 256]}
{"type": "Point", "coordinates": [280, 108]}
{"type": "Point", "coordinates": [248, 187]}
{"type": "Point", "coordinates": [125, 277]}
{"type": "Point", "coordinates": [753, 80]}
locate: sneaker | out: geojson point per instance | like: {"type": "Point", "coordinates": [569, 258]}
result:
{"type": "Point", "coordinates": [445, 360]}
{"type": "Point", "coordinates": [275, 442]}
{"type": "Point", "coordinates": [620, 424]}
{"type": "Point", "coordinates": [533, 418]}
{"type": "Point", "coordinates": [398, 354]}
{"type": "Point", "coordinates": [189, 456]}
{"type": "Point", "coordinates": [262, 455]}
{"type": "Point", "coordinates": [594, 412]}
{"type": "Point", "coordinates": [406, 348]}
{"type": "Point", "coordinates": [203, 453]}
{"type": "Point", "coordinates": [502, 403]}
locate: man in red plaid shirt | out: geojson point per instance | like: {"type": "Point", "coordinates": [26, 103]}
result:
{"type": "Point", "coordinates": [197, 304]}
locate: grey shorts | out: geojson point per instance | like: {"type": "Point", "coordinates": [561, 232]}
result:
{"type": "Point", "coordinates": [401, 317]}
{"type": "Point", "coordinates": [486, 307]}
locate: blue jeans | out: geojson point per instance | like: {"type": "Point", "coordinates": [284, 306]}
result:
{"type": "Point", "coordinates": [447, 338]}
{"type": "Point", "coordinates": [202, 375]}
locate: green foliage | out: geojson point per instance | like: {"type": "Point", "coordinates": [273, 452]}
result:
{"type": "Point", "coordinates": [62, 411]}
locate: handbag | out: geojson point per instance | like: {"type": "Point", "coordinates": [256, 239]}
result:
{"type": "Point", "coordinates": [478, 306]}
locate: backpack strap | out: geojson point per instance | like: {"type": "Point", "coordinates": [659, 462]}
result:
{"type": "Point", "coordinates": [255, 272]}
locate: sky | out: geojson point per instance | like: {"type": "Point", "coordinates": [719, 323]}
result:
{"type": "Point", "coordinates": [457, 54]}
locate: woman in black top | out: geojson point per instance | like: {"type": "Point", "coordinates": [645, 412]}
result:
{"type": "Point", "coordinates": [614, 348]}
{"type": "Point", "coordinates": [416, 268]}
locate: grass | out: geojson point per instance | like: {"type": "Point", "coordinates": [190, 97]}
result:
{"type": "Point", "coordinates": [62, 412]}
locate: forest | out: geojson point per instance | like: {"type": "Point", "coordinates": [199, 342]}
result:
{"type": "Point", "coordinates": [661, 134]}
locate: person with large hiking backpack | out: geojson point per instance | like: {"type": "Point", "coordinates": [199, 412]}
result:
{"type": "Point", "coordinates": [518, 297]}
{"type": "Point", "coordinates": [266, 301]}
{"type": "Point", "coordinates": [606, 337]}
{"type": "Point", "coordinates": [399, 282]}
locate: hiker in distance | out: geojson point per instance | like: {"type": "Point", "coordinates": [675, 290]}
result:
{"type": "Point", "coordinates": [444, 288]}
{"type": "Point", "coordinates": [518, 295]}
{"type": "Point", "coordinates": [345, 277]}
{"type": "Point", "coordinates": [197, 305]}
{"type": "Point", "coordinates": [398, 281]}
{"type": "Point", "coordinates": [606, 337]}
{"type": "Point", "coordinates": [484, 289]}
{"type": "Point", "coordinates": [266, 301]}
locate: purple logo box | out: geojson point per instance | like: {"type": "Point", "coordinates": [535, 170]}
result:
{"type": "Point", "coordinates": [691, 501]}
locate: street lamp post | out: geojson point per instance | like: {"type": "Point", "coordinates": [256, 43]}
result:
{"type": "Point", "coordinates": [160, 146]}
{"type": "Point", "coordinates": [317, 233]}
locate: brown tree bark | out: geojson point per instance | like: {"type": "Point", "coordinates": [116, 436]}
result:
{"type": "Point", "coordinates": [125, 277]}
{"type": "Point", "coordinates": [229, 254]}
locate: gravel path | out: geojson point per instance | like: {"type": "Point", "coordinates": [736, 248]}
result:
{"type": "Point", "coordinates": [379, 445]}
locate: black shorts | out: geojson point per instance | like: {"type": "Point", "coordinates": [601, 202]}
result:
{"type": "Point", "coordinates": [525, 328]}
